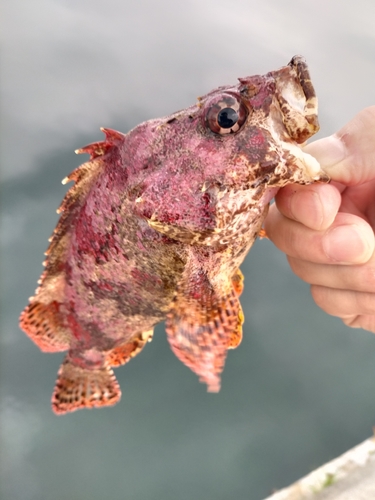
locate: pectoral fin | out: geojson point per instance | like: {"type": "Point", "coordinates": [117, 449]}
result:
{"type": "Point", "coordinates": [202, 325]}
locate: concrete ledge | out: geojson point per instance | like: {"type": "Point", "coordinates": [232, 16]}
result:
{"type": "Point", "coordinates": [348, 477]}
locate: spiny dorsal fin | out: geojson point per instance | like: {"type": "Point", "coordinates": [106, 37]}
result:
{"type": "Point", "coordinates": [77, 388]}
{"type": "Point", "coordinates": [84, 177]}
{"type": "Point", "coordinates": [112, 138]}
{"type": "Point", "coordinates": [42, 320]}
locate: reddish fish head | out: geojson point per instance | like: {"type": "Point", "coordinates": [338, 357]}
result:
{"type": "Point", "coordinates": [240, 140]}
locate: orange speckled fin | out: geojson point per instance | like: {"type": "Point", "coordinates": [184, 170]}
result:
{"type": "Point", "coordinates": [77, 388]}
{"type": "Point", "coordinates": [236, 336]}
{"type": "Point", "coordinates": [238, 282]}
{"type": "Point", "coordinates": [125, 352]}
{"type": "Point", "coordinates": [43, 323]}
{"type": "Point", "coordinates": [238, 285]}
{"type": "Point", "coordinates": [262, 234]}
{"type": "Point", "coordinates": [201, 326]}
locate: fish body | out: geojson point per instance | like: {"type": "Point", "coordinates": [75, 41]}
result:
{"type": "Point", "coordinates": [156, 226]}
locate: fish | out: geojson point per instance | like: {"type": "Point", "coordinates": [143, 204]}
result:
{"type": "Point", "coordinates": [156, 226]}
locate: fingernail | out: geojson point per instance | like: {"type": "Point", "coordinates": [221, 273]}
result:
{"type": "Point", "coordinates": [307, 208]}
{"type": "Point", "coordinates": [346, 244]}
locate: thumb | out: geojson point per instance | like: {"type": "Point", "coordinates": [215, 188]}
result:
{"type": "Point", "coordinates": [348, 156]}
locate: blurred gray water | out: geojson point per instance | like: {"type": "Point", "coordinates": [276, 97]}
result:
{"type": "Point", "coordinates": [300, 389]}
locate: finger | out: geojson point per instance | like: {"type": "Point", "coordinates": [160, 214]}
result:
{"type": "Point", "coordinates": [315, 205]}
{"type": "Point", "coordinates": [365, 321]}
{"type": "Point", "coordinates": [348, 156]}
{"type": "Point", "coordinates": [349, 240]}
{"type": "Point", "coordinates": [360, 278]}
{"type": "Point", "coordinates": [343, 303]}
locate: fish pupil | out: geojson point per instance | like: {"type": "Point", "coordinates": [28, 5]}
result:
{"type": "Point", "coordinates": [227, 117]}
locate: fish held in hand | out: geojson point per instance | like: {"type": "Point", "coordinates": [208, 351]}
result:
{"type": "Point", "coordinates": [156, 226]}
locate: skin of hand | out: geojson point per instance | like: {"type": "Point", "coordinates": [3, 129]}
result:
{"type": "Point", "coordinates": [327, 230]}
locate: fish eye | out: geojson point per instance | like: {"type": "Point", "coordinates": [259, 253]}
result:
{"type": "Point", "coordinates": [227, 118]}
{"type": "Point", "coordinates": [225, 114]}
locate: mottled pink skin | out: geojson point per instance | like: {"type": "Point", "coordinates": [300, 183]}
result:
{"type": "Point", "coordinates": [158, 223]}
{"type": "Point", "coordinates": [158, 171]}
{"type": "Point", "coordinates": [190, 156]}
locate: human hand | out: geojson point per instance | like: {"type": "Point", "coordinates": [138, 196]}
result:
{"type": "Point", "coordinates": [327, 230]}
